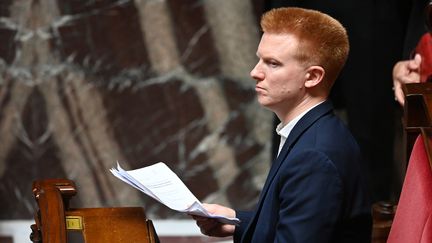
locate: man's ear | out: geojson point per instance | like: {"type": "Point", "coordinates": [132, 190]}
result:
{"type": "Point", "coordinates": [314, 76]}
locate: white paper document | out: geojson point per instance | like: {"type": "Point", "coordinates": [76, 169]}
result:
{"type": "Point", "coordinates": [161, 183]}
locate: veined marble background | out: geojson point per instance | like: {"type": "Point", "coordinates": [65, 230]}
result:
{"type": "Point", "coordinates": [84, 84]}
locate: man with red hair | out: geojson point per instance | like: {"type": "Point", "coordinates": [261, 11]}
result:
{"type": "Point", "coordinates": [315, 191]}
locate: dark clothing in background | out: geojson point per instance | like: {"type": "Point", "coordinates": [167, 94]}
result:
{"type": "Point", "coordinates": [416, 26]}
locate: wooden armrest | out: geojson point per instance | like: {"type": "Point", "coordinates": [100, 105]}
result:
{"type": "Point", "coordinates": [52, 197]}
{"type": "Point", "coordinates": [66, 188]}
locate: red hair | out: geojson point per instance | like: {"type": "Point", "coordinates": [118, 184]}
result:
{"type": "Point", "coordinates": [323, 41]}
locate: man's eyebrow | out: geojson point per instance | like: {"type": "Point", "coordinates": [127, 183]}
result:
{"type": "Point", "coordinates": [267, 58]}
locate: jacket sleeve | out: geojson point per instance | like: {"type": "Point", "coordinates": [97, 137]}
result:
{"type": "Point", "coordinates": [245, 217]}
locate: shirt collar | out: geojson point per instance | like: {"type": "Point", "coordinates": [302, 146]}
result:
{"type": "Point", "coordinates": [284, 131]}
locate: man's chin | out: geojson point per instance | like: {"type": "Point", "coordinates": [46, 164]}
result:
{"type": "Point", "coordinates": [265, 104]}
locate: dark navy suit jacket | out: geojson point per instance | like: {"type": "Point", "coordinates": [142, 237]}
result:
{"type": "Point", "coordinates": [315, 191]}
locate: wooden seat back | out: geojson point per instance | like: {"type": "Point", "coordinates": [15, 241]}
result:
{"type": "Point", "coordinates": [416, 190]}
{"type": "Point", "coordinates": [417, 120]}
{"type": "Point", "coordinates": [417, 115]}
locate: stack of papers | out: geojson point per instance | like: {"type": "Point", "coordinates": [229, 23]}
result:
{"type": "Point", "coordinates": [161, 183]}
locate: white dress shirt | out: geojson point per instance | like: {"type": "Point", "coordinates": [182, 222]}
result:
{"type": "Point", "coordinates": [284, 131]}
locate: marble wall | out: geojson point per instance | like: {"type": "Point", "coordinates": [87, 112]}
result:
{"type": "Point", "coordinates": [86, 83]}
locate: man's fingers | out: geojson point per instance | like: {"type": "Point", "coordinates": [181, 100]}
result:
{"type": "Point", "coordinates": [399, 96]}
{"type": "Point", "coordinates": [206, 222]}
{"type": "Point", "coordinates": [196, 217]}
{"type": "Point", "coordinates": [413, 77]}
{"type": "Point", "coordinates": [414, 64]}
{"type": "Point", "coordinates": [208, 227]}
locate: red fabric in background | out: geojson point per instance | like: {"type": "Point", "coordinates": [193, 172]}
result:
{"type": "Point", "coordinates": [413, 221]}
{"type": "Point", "coordinates": [424, 48]}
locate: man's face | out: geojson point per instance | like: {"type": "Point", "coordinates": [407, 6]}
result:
{"type": "Point", "coordinates": [279, 76]}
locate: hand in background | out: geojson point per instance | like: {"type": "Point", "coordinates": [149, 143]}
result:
{"type": "Point", "coordinates": [404, 72]}
{"type": "Point", "coordinates": [212, 227]}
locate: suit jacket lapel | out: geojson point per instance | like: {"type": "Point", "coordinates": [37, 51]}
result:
{"type": "Point", "coordinates": [302, 125]}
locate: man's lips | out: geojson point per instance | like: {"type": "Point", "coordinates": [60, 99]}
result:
{"type": "Point", "coordinates": [259, 89]}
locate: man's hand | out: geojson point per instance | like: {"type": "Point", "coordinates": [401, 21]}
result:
{"type": "Point", "coordinates": [405, 72]}
{"type": "Point", "coordinates": [212, 227]}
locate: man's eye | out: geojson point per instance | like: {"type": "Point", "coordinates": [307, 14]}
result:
{"type": "Point", "coordinates": [273, 64]}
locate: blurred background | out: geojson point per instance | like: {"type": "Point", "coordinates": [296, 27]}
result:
{"type": "Point", "coordinates": [85, 84]}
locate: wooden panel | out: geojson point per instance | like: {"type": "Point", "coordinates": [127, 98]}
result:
{"type": "Point", "coordinates": [101, 225]}
{"type": "Point", "coordinates": [417, 112]}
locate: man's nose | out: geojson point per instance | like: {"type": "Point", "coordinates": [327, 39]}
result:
{"type": "Point", "coordinates": [256, 73]}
